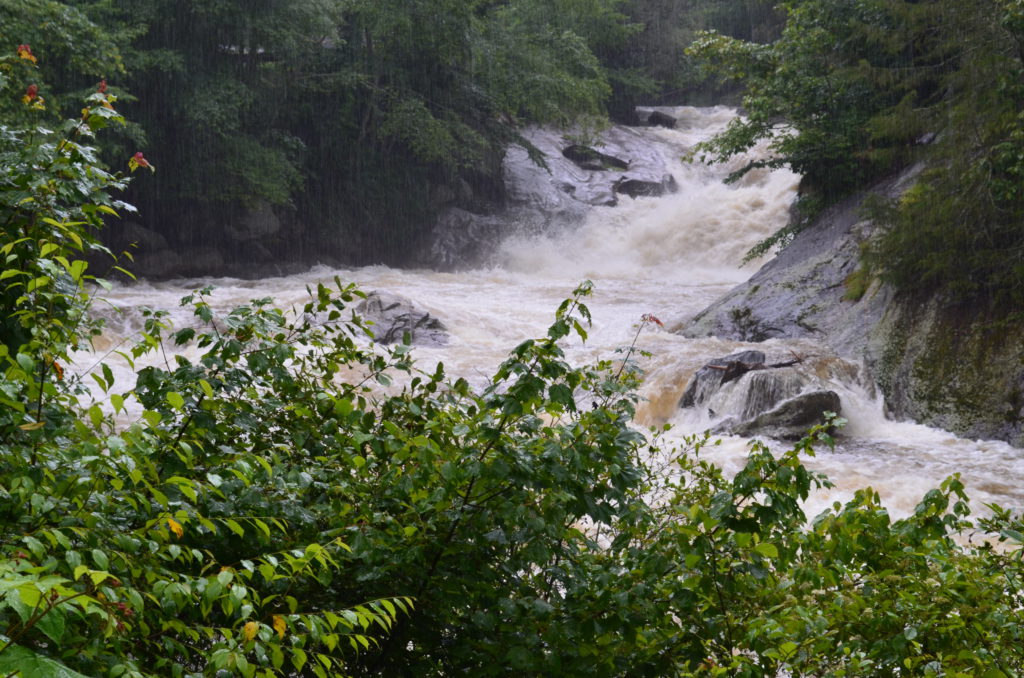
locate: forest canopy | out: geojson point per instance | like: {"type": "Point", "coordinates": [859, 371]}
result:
{"type": "Point", "coordinates": [340, 128]}
{"type": "Point", "coordinates": [855, 90]}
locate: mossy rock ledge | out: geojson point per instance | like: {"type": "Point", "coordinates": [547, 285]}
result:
{"type": "Point", "coordinates": [937, 364]}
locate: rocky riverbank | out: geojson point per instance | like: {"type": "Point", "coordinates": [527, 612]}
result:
{"type": "Point", "coordinates": [939, 365]}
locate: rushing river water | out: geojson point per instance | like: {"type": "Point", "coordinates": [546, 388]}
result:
{"type": "Point", "coordinates": [670, 257]}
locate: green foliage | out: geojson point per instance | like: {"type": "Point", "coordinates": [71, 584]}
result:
{"type": "Point", "coordinates": [53, 194]}
{"type": "Point", "coordinates": [958, 232]}
{"type": "Point", "coordinates": [98, 572]}
{"type": "Point", "coordinates": [344, 116]}
{"type": "Point", "coordinates": [73, 53]}
{"type": "Point", "coordinates": [294, 499]}
{"type": "Point", "coordinates": [652, 66]}
{"type": "Point", "coordinates": [854, 90]}
{"type": "Point", "coordinates": [833, 95]}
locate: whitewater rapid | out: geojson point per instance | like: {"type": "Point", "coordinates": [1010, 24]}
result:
{"type": "Point", "coordinates": [668, 256]}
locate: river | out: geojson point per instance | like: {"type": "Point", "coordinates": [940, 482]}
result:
{"type": "Point", "coordinates": [670, 257]}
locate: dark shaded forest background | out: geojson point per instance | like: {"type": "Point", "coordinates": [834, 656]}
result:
{"type": "Point", "coordinates": [335, 131]}
{"type": "Point", "coordinates": [311, 130]}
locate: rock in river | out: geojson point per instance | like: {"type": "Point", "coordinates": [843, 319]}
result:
{"type": "Point", "coordinates": [791, 418]}
{"type": "Point", "coordinates": [393, 316]}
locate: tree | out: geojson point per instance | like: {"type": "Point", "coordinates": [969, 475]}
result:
{"type": "Point", "coordinates": [821, 92]}
{"type": "Point", "coordinates": [345, 119]}
{"type": "Point", "coordinates": [958, 232]}
{"type": "Point", "coordinates": [858, 89]}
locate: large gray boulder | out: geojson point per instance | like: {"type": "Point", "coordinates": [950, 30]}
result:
{"type": "Point", "coordinates": [660, 119]}
{"type": "Point", "coordinates": [765, 389]}
{"type": "Point", "coordinates": [393, 317]}
{"type": "Point", "coordinates": [709, 378]}
{"type": "Point", "coordinates": [637, 188]}
{"type": "Point", "coordinates": [657, 116]}
{"type": "Point", "coordinates": [791, 419]}
{"type": "Point", "coordinates": [749, 396]}
{"type": "Point", "coordinates": [591, 159]}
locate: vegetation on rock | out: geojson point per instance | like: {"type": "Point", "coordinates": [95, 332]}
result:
{"type": "Point", "coordinates": [858, 88]}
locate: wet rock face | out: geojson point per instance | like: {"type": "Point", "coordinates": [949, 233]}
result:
{"type": "Point", "coordinates": [394, 316]}
{"type": "Point", "coordinates": [765, 389]}
{"type": "Point", "coordinates": [575, 179]}
{"type": "Point", "coordinates": [590, 159]}
{"type": "Point", "coordinates": [752, 397]}
{"type": "Point", "coordinates": [636, 188]}
{"type": "Point", "coordinates": [710, 378]}
{"type": "Point", "coordinates": [656, 116]}
{"type": "Point", "coordinates": [945, 367]}
{"type": "Point", "coordinates": [660, 119]}
{"type": "Point", "coordinates": [256, 223]}
{"type": "Point", "coordinates": [791, 419]}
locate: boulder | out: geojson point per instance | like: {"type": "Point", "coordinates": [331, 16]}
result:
{"type": "Point", "coordinates": [661, 119]}
{"type": "Point", "coordinates": [442, 194]}
{"type": "Point", "coordinates": [764, 389]}
{"type": "Point", "coordinates": [198, 262]}
{"type": "Point", "coordinates": [255, 223]}
{"type": "Point", "coordinates": [636, 188]}
{"type": "Point", "coordinates": [161, 264]}
{"type": "Point", "coordinates": [791, 418]}
{"type": "Point", "coordinates": [708, 379]}
{"type": "Point", "coordinates": [590, 159]}
{"type": "Point", "coordinates": [134, 233]}
{"type": "Point", "coordinates": [753, 397]}
{"type": "Point", "coordinates": [394, 316]}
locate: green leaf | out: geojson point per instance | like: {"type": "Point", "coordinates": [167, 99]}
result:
{"type": "Point", "coordinates": [562, 394]}
{"type": "Point", "coordinates": [52, 624]}
{"type": "Point", "coordinates": [234, 527]}
{"type": "Point", "coordinates": [175, 400]}
{"type": "Point", "coordinates": [96, 416]}
{"type": "Point", "coordinates": [1013, 535]}
{"type": "Point", "coordinates": [298, 659]}
{"type": "Point", "coordinates": [207, 389]}
{"type": "Point", "coordinates": [767, 550]}
{"type": "Point", "coordinates": [23, 662]}
{"type": "Point", "coordinates": [77, 269]}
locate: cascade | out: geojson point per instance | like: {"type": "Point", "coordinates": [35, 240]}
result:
{"type": "Point", "coordinates": [669, 256]}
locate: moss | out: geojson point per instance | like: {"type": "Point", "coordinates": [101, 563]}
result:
{"type": "Point", "coordinates": [801, 319]}
{"type": "Point", "coordinates": [856, 285]}
{"type": "Point", "coordinates": [746, 324]}
{"type": "Point", "coordinates": [964, 375]}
